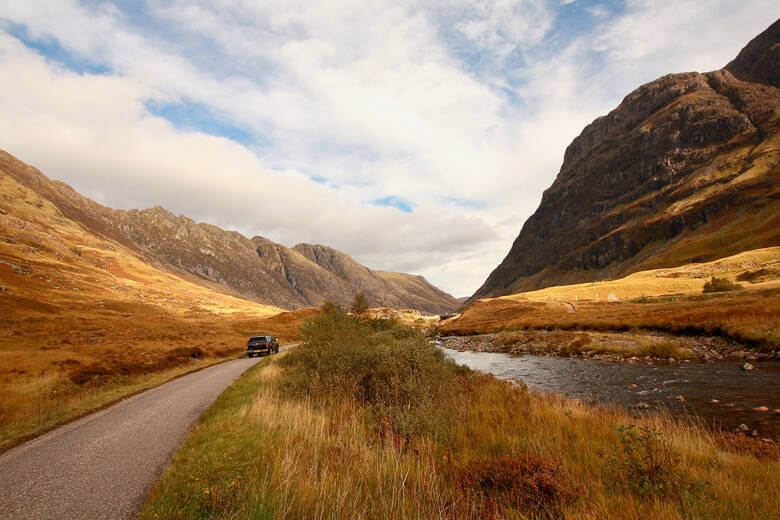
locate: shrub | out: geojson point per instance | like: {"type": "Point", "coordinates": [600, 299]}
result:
{"type": "Point", "coordinates": [527, 481]}
{"type": "Point", "coordinates": [359, 304]}
{"type": "Point", "coordinates": [663, 349]}
{"type": "Point", "coordinates": [645, 464]}
{"type": "Point", "coordinates": [404, 382]}
{"type": "Point", "coordinates": [721, 285]}
{"type": "Point", "coordinates": [580, 342]}
{"type": "Point", "coordinates": [740, 443]}
{"type": "Point", "coordinates": [754, 276]}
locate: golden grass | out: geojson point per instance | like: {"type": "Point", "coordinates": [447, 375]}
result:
{"type": "Point", "coordinates": [686, 279]}
{"type": "Point", "coordinates": [84, 320]}
{"type": "Point", "coordinates": [260, 454]}
{"type": "Point", "coordinates": [667, 300]}
{"type": "Point", "coordinates": [572, 343]}
{"type": "Point", "coordinates": [37, 404]}
{"type": "Point", "coordinates": [750, 317]}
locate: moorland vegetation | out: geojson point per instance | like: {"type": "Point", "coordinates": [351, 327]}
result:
{"type": "Point", "coordinates": [368, 419]}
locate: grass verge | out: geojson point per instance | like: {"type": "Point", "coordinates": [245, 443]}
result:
{"type": "Point", "coordinates": [368, 420]}
{"type": "Point", "coordinates": [48, 413]}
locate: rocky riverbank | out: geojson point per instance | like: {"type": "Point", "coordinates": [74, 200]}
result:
{"type": "Point", "coordinates": [631, 347]}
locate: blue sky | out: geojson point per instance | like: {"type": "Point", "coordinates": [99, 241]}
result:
{"type": "Point", "coordinates": [415, 136]}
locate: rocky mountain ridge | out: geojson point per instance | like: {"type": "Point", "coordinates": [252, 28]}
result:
{"type": "Point", "coordinates": [254, 268]}
{"type": "Point", "coordinates": [685, 169]}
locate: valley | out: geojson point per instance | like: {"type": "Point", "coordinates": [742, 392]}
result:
{"type": "Point", "coordinates": [622, 361]}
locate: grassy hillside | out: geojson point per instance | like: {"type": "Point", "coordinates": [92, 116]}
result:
{"type": "Point", "coordinates": [226, 261]}
{"type": "Point", "coordinates": [685, 279]}
{"type": "Point", "coordinates": [85, 321]}
{"type": "Point", "coordinates": [370, 421]}
{"type": "Point", "coordinates": [668, 300]}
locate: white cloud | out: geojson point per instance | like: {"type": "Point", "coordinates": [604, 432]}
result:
{"type": "Point", "coordinates": [381, 98]}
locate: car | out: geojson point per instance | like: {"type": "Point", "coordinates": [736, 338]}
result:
{"type": "Point", "coordinates": [262, 344]}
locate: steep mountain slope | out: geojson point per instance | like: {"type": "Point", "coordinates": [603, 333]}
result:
{"type": "Point", "coordinates": [256, 268]}
{"type": "Point", "coordinates": [759, 61]}
{"type": "Point", "coordinates": [399, 290]}
{"type": "Point", "coordinates": [685, 169]}
{"type": "Point", "coordinates": [417, 288]}
{"type": "Point", "coordinates": [84, 320]}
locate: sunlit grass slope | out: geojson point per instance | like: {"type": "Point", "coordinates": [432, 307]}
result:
{"type": "Point", "coordinates": [85, 321]}
{"type": "Point", "coordinates": [369, 421]}
{"type": "Point", "coordinates": [686, 279]}
{"type": "Point", "coordinates": [668, 300]}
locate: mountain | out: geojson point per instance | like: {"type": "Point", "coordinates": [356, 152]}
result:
{"type": "Point", "coordinates": [685, 169]}
{"type": "Point", "coordinates": [759, 61]}
{"type": "Point", "coordinates": [253, 268]}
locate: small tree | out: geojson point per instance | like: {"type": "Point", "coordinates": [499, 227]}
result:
{"type": "Point", "coordinates": [359, 304]}
{"type": "Point", "coordinates": [331, 306]}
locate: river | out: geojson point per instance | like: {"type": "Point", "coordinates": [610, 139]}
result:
{"type": "Point", "coordinates": [657, 385]}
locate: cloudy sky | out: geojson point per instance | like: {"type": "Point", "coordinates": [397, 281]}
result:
{"type": "Point", "coordinates": [415, 136]}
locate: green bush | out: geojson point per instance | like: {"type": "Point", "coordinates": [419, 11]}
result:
{"type": "Point", "coordinates": [646, 465]}
{"type": "Point", "coordinates": [721, 285]}
{"type": "Point", "coordinates": [404, 381]}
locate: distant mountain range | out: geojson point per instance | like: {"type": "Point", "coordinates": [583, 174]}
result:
{"type": "Point", "coordinates": [685, 169]}
{"type": "Point", "coordinates": [254, 268]}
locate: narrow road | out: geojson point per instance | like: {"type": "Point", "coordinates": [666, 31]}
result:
{"type": "Point", "coordinates": [103, 465]}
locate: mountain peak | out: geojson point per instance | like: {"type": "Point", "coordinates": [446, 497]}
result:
{"type": "Point", "coordinates": [759, 61]}
{"type": "Point", "coordinates": [257, 269]}
{"type": "Point", "coordinates": [683, 170]}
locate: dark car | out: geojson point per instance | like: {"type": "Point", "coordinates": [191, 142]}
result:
{"type": "Point", "coordinates": [265, 344]}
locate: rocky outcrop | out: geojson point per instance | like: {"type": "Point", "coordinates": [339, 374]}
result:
{"type": "Point", "coordinates": [685, 169]}
{"type": "Point", "coordinates": [256, 268]}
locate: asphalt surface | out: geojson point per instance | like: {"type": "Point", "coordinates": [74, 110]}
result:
{"type": "Point", "coordinates": [103, 465]}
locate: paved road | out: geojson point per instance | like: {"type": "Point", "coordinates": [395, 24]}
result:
{"type": "Point", "coordinates": [103, 465]}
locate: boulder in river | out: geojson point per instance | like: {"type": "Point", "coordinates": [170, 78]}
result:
{"type": "Point", "coordinates": [714, 401]}
{"type": "Point", "coordinates": [761, 409]}
{"type": "Point", "coordinates": [747, 367]}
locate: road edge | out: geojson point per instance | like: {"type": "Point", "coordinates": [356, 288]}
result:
{"type": "Point", "coordinates": [32, 436]}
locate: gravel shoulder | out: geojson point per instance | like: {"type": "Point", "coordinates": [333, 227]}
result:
{"type": "Point", "coordinates": [103, 465]}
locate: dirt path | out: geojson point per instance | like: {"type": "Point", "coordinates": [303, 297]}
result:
{"type": "Point", "coordinates": [102, 466]}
